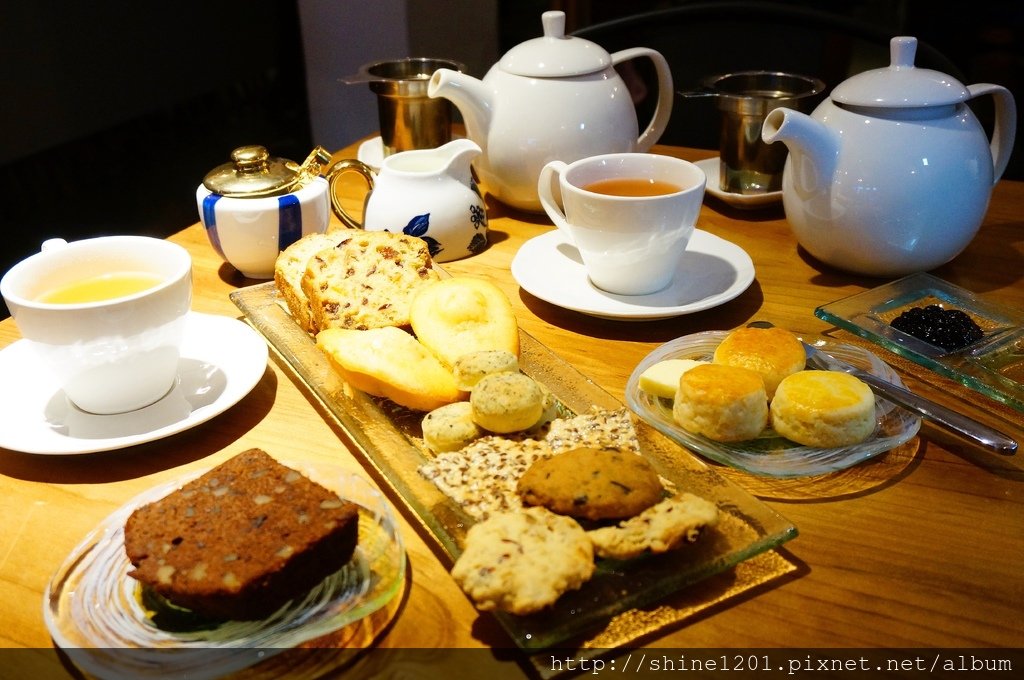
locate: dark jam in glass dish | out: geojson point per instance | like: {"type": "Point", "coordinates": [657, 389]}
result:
{"type": "Point", "coordinates": [950, 329]}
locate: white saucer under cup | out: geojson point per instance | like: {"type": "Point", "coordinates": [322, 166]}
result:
{"type": "Point", "coordinates": [711, 272]}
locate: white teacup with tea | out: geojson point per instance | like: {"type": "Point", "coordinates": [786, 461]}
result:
{"type": "Point", "coordinates": [106, 316]}
{"type": "Point", "coordinates": [631, 215]}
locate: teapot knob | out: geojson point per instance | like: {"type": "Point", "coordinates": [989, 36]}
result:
{"type": "Point", "coordinates": [554, 24]}
{"type": "Point", "coordinates": [902, 51]}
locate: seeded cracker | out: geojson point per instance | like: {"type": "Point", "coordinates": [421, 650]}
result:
{"type": "Point", "coordinates": [482, 477]}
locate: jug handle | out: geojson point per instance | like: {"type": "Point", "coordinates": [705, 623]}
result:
{"type": "Point", "coordinates": [666, 94]}
{"type": "Point", "coordinates": [335, 173]}
{"type": "Point", "coordinates": [1005, 125]}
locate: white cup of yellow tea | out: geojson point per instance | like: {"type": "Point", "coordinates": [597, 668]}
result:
{"type": "Point", "coordinates": [106, 316]}
{"type": "Point", "coordinates": [630, 215]}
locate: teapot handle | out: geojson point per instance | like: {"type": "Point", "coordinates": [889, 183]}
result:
{"type": "Point", "coordinates": [666, 94]}
{"type": "Point", "coordinates": [332, 176]}
{"type": "Point", "coordinates": [1005, 125]}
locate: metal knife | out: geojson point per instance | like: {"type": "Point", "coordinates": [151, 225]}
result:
{"type": "Point", "coordinates": [966, 427]}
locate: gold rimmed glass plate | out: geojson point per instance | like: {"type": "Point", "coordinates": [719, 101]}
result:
{"type": "Point", "coordinates": [388, 439]}
{"type": "Point", "coordinates": [109, 627]}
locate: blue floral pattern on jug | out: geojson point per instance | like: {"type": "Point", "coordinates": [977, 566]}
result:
{"type": "Point", "coordinates": [419, 226]}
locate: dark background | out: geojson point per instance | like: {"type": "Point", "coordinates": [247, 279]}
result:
{"type": "Point", "coordinates": [112, 112]}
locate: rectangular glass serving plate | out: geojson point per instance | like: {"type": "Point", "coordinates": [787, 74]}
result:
{"type": "Point", "coordinates": [600, 614]}
{"type": "Point", "coordinates": [993, 366]}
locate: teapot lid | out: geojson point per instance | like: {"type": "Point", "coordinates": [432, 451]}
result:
{"type": "Point", "coordinates": [555, 55]}
{"type": "Point", "coordinates": [901, 84]}
{"type": "Point", "coordinates": [253, 173]}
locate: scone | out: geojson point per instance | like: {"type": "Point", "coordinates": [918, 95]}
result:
{"type": "Point", "coordinates": [521, 562]}
{"type": "Point", "coordinates": [472, 366]}
{"type": "Point", "coordinates": [460, 315]}
{"type": "Point", "coordinates": [772, 352]}
{"type": "Point", "coordinates": [823, 409]}
{"type": "Point", "coordinates": [291, 267]}
{"type": "Point", "coordinates": [450, 427]}
{"type": "Point", "coordinates": [662, 527]}
{"type": "Point", "coordinates": [388, 362]}
{"type": "Point", "coordinates": [724, 403]}
{"type": "Point", "coordinates": [592, 484]}
{"type": "Point", "coordinates": [367, 281]}
{"type": "Point", "coordinates": [507, 402]}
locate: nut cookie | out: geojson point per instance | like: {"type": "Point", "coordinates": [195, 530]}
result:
{"type": "Point", "coordinates": [592, 484]}
{"type": "Point", "coordinates": [367, 281]}
{"type": "Point", "coordinates": [658, 529]}
{"type": "Point", "coordinates": [521, 562]}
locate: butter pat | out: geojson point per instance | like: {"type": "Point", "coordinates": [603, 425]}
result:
{"type": "Point", "coordinates": [662, 379]}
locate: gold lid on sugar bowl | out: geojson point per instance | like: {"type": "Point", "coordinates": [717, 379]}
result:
{"type": "Point", "coordinates": [254, 173]}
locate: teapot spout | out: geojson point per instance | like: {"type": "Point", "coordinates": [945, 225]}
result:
{"type": "Point", "coordinates": [813, 147]}
{"type": "Point", "coordinates": [469, 95]}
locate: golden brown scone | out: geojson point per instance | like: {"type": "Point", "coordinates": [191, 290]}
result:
{"type": "Point", "coordinates": [724, 403]}
{"type": "Point", "coordinates": [507, 402]}
{"type": "Point", "coordinates": [592, 484]}
{"type": "Point", "coordinates": [388, 362]}
{"type": "Point", "coordinates": [823, 409]}
{"type": "Point", "coordinates": [461, 315]}
{"type": "Point", "coordinates": [523, 561]}
{"type": "Point", "coordinates": [772, 352]}
{"type": "Point", "coordinates": [367, 281]}
{"type": "Point", "coordinates": [290, 267]}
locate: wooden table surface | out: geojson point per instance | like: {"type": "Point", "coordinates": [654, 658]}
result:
{"type": "Point", "coordinates": [918, 550]}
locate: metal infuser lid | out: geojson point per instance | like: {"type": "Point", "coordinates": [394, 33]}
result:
{"type": "Point", "coordinates": [254, 173]}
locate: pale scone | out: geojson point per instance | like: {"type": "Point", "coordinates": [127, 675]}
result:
{"type": "Point", "coordinates": [522, 562]}
{"type": "Point", "coordinates": [388, 362]}
{"type": "Point", "coordinates": [367, 281]}
{"type": "Point", "coordinates": [724, 403]}
{"type": "Point", "coordinates": [450, 427]}
{"type": "Point", "coordinates": [461, 315]}
{"type": "Point", "coordinates": [290, 267]}
{"type": "Point", "coordinates": [507, 402]}
{"type": "Point", "coordinates": [774, 353]}
{"type": "Point", "coordinates": [823, 409]}
{"type": "Point", "coordinates": [471, 367]}
{"type": "Point", "coordinates": [660, 528]}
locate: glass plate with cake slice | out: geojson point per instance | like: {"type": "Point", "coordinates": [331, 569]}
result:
{"type": "Point", "coordinates": [113, 625]}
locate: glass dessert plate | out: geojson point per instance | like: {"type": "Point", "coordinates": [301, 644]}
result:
{"type": "Point", "coordinates": [993, 365]}
{"type": "Point", "coordinates": [109, 627]}
{"type": "Point", "coordinates": [771, 454]}
{"type": "Point", "coordinates": [388, 439]}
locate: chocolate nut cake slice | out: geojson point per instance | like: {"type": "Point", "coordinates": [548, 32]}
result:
{"type": "Point", "coordinates": [241, 540]}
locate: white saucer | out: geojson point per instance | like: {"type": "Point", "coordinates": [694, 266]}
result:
{"type": "Point", "coordinates": [371, 152]}
{"type": "Point", "coordinates": [222, 359]}
{"type": "Point", "coordinates": [711, 272]}
{"type": "Point", "coordinates": [710, 166]}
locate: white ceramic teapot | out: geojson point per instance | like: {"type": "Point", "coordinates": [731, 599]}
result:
{"type": "Point", "coordinates": [893, 173]}
{"type": "Point", "coordinates": [551, 98]}
{"type": "Point", "coordinates": [427, 193]}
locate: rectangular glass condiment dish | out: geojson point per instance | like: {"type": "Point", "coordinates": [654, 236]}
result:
{"type": "Point", "coordinates": [993, 365]}
{"type": "Point", "coordinates": [388, 439]}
